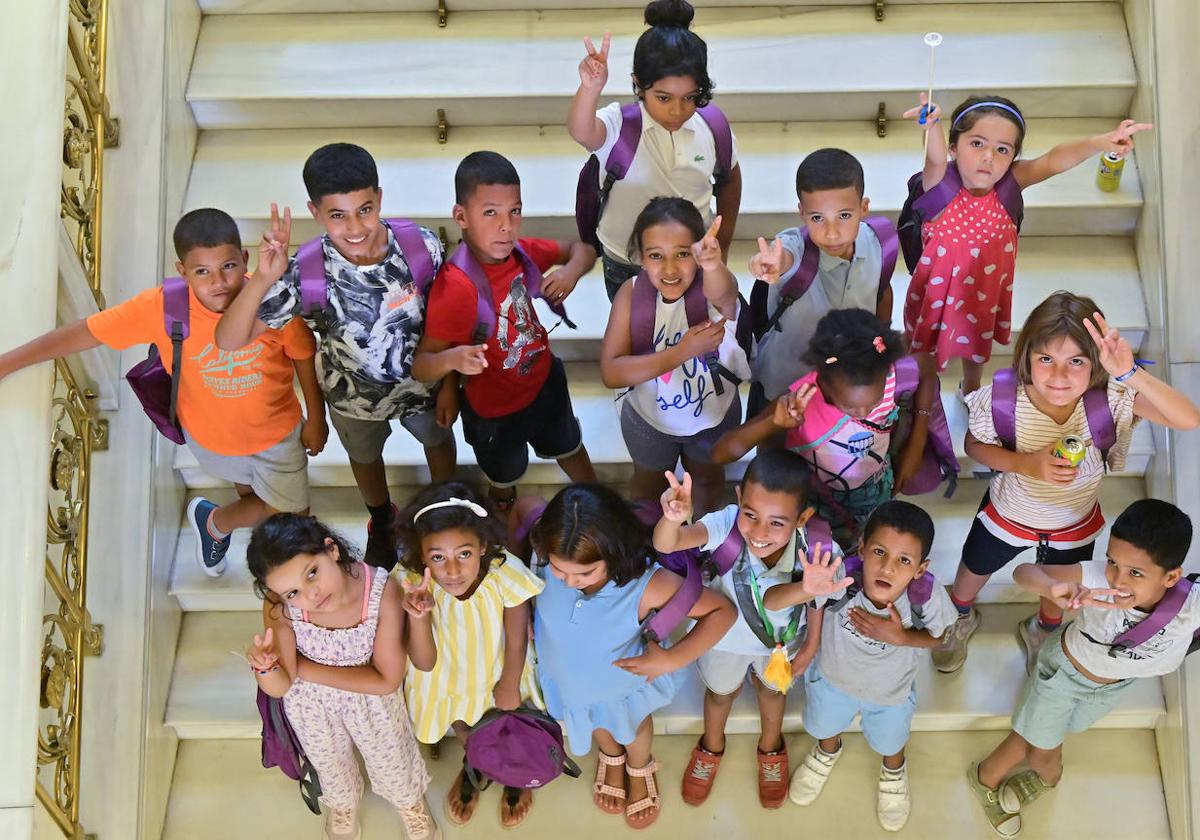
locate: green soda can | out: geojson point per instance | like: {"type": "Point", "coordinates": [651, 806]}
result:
{"type": "Point", "coordinates": [1071, 448]}
{"type": "Point", "coordinates": [1109, 176]}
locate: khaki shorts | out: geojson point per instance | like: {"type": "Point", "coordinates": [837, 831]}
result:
{"type": "Point", "coordinates": [278, 476]}
{"type": "Point", "coordinates": [363, 440]}
{"type": "Point", "coordinates": [724, 673]}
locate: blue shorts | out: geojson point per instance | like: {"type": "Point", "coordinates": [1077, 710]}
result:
{"type": "Point", "coordinates": [829, 711]}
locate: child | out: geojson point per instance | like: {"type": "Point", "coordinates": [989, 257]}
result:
{"type": "Point", "coordinates": [869, 652]}
{"type": "Point", "coordinates": [677, 405]}
{"type": "Point", "coordinates": [370, 324]}
{"type": "Point", "coordinates": [829, 184]}
{"type": "Point", "coordinates": [1037, 499]}
{"type": "Point", "coordinates": [1081, 673]}
{"type": "Point", "coordinates": [468, 629]}
{"type": "Point", "coordinates": [516, 395]}
{"type": "Point", "coordinates": [770, 515]}
{"type": "Point", "coordinates": [677, 150]}
{"type": "Point", "coordinates": [238, 410]}
{"type": "Point", "coordinates": [840, 418]}
{"type": "Point", "coordinates": [332, 650]}
{"type": "Point", "coordinates": [600, 587]}
{"type": "Point", "coordinates": [960, 298]}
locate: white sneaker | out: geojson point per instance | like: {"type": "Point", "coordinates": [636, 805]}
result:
{"type": "Point", "coordinates": [810, 777]}
{"type": "Point", "coordinates": [342, 825]}
{"type": "Point", "coordinates": [894, 802]}
{"type": "Point", "coordinates": [419, 824]}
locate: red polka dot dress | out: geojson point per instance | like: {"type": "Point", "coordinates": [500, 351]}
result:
{"type": "Point", "coordinates": [960, 297]}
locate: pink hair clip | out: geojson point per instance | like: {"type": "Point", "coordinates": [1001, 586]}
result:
{"type": "Point", "coordinates": [831, 360]}
{"type": "Point", "coordinates": [880, 347]}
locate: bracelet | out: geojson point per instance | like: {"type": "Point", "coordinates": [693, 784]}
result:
{"type": "Point", "coordinates": [921, 411]}
{"type": "Point", "coordinates": [1127, 374]}
{"type": "Point", "coordinates": [270, 670]}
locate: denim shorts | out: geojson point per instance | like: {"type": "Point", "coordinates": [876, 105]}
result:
{"type": "Point", "coordinates": [1058, 699]}
{"type": "Point", "coordinates": [616, 272]}
{"type": "Point", "coordinates": [829, 711]}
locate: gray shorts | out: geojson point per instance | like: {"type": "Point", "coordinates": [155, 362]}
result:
{"type": "Point", "coordinates": [363, 440]}
{"type": "Point", "coordinates": [658, 452]}
{"type": "Point", "coordinates": [278, 476]}
{"type": "Point", "coordinates": [1058, 699]}
{"type": "Point", "coordinates": [724, 673]}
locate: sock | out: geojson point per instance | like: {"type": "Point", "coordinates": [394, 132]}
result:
{"type": "Point", "coordinates": [831, 754]}
{"type": "Point", "coordinates": [213, 530]}
{"type": "Point", "coordinates": [899, 769]}
{"type": "Point", "coordinates": [381, 515]}
{"type": "Point", "coordinates": [963, 607]}
{"type": "Point", "coordinates": [1046, 622]}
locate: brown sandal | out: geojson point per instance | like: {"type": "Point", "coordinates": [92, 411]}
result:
{"type": "Point", "coordinates": [650, 800]}
{"type": "Point", "coordinates": [510, 800]}
{"type": "Point", "coordinates": [466, 793]}
{"type": "Point", "coordinates": [602, 788]}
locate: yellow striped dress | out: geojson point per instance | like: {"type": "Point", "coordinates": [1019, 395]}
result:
{"type": "Point", "coordinates": [470, 651]}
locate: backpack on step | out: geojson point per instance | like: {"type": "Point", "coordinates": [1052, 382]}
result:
{"type": "Point", "coordinates": [1101, 425]}
{"type": "Point", "coordinates": [522, 748]}
{"type": "Point", "coordinates": [938, 461]}
{"type": "Point", "coordinates": [754, 320]}
{"type": "Point", "coordinates": [156, 390]}
{"type": "Point", "coordinates": [281, 748]}
{"type": "Point", "coordinates": [591, 196]}
{"type": "Point", "coordinates": [1164, 613]}
{"type": "Point", "coordinates": [921, 207]}
{"type": "Point", "coordinates": [920, 591]}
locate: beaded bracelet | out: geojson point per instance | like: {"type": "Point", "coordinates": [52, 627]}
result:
{"type": "Point", "coordinates": [270, 670]}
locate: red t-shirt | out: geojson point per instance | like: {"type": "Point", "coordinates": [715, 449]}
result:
{"type": "Point", "coordinates": [518, 355]}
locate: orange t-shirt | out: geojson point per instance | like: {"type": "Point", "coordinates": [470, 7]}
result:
{"type": "Point", "coordinates": [233, 403]}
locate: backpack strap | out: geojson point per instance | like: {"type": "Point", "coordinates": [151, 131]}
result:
{"type": "Point", "coordinates": [1100, 421]}
{"type": "Point", "coordinates": [908, 377]}
{"type": "Point", "coordinates": [661, 622]}
{"type": "Point", "coordinates": [412, 245]}
{"type": "Point", "coordinates": [727, 553]}
{"type": "Point", "coordinates": [177, 324]}
{"type": "Point", "coordinates": [933, 201]}
{"type": "Point", "coordinates": [1163, 614]}
{"type": "Point", "coordinates": [1004, 407]}
{"type": "Point", "coordinates": [796, 286]}
{"type": "Point", "coordinates": [314, 291]}
{"type": "Point", "coordinates": [889, 245]}
{"type": "Point", "coordinates": [485, 309]}
{"type": "Point", "coordinates": [1009, 193]}
{"type": "Point", "coordinates": [621, 155]}
{"type": "Point", "coordinates": [718, 124]}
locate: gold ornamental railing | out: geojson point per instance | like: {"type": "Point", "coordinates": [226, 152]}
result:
{"type": "Point", "coordinates": [88, 129]}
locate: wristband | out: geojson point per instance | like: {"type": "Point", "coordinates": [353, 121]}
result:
{"type": "Point", "coordinates": [270, 670]}
{"type": "Point", "coordinates": [1127, 374]}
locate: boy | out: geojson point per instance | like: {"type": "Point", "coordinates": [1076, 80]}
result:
{"type": "Point", "coordinates": [829, 184]}
{"type": "Point", "coordinates": [369, 326]}
{"type": "Point", "coordinates": [516, 394]}
{"type": "Point", "coordinates": [871, 643]}
{"type": "Point", "coordinates": [238, 410]}
{"type": "Point", "coordinates": [1081, 672]}
{"type": "Point", "coordinates": [769, 516]}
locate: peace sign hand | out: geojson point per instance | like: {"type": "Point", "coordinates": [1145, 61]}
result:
{"type": "Point", "coordinates": [1069, 595]}
{"type": "Point", "coordinates": [677, 498]}
{"type": "Point", "coordinates": [1116, 356]}
{"type": "Point", "coordinates": [273, 250]}
{"type": "Point", "coordinates": [708, 250]}
{"type": "Point", "coordinates": [789, 409]}
{"type": "Point", "coordinates": [767, 264]}
{"type": "Point", "coordinates": [418, 597]}
{"type": "Point", "coordinates": [1120, 141]}
{"type": "Point", "coordinates": [926, 114]}
{"type": "Point", "coordinates": [261, 654]}
{"type": "Point", "coordinates": [593, 70]}
{"type": "Point", "coordinates": [817, 575]}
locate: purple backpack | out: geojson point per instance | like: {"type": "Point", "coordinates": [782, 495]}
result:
{"type": "Point", "coordinates": [938, 462]}
{"type": "Point", "coordinates": [520, 749]}
{"type": "Point", "coordinates": [921, 207]}
{"type": "Point", "coordinates": [485, 309]}
{"type": "Point", "coordinates": [642, 309]}
{"type": "Point", "coordinates": [590, 196]}
{"type": "Point", "coordinates": [281, 748]}
{"type": "Point", "coordinates": [156, 390]}
{"type": "Point", "coordinates": [314, 285]}
{"type": "Point", "coordinates": [1101, 425]}
{"type": "Point", "coordinates": [919, 591]}
{"type": "Point", "coordinates": [1163, 614]}
{"type": "Point", "coordinates": [754, 320]}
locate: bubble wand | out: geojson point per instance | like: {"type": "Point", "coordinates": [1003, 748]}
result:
{"type": "Point", "coordinates": [932, 40]}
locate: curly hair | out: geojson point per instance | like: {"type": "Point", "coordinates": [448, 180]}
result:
{"type": "Point", "coordinates": [854, 345]}
{"type": "Point", "coordinates": [413, 529]}
{"type": "Point", "coordinates": [589, 523]}
{"type": "Point", "coordinates": [285, 535]}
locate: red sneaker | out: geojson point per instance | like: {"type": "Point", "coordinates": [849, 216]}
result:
{"type": "Point", "coordinates": [772, 777]}
{"type": "Point", "coordinates": [700, 774]}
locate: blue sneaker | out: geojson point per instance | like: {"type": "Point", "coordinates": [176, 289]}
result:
{"type": "Point", "coordinates": [210, 552]}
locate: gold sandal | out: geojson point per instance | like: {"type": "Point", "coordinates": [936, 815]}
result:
{"type": "Point", "coordinates": [650, 800]}
{"type": "Point", "coordinates": [601, 788]}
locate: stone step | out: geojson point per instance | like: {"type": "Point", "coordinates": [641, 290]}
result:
{"type": "Point", "coordinates": [342, 509]}
{"type": "Point", "coordinates": [212, 690]}
{"type": "Point", "coordinates": [242, 172]}
{"type": "Point", "coordinates": [520, 67]}
{"type": "Point", "coordinates": [266, 7]}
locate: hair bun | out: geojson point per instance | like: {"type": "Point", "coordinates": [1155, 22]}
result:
{"type": "Point", "coordinates": [670, 13]}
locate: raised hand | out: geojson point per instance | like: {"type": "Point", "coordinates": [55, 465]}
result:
{"type": "Point", "coordinates": [702, 339]}
{"type": "Point", "coordinates": [557, 285]}
{"type": "Point", "coordinates": [817, 575]}
{"type": "Point", "coordinates": [708, 250]}
{"type": "Point", "coordinates": [261, 654]}
{"type": "Point", "coordinates": [677, 498]}
{"type": "Point", "coordinates": [1116, 356]}
{"type": "Point", "coordinates": [767, 264]}
{"type": "Point", "coordinates": [652, 664]}
{"type": "Point", "coordinates": [926, 114]}
{"type": "Point", "coordinates": [1069, 595]}
{"type": "Point", "coordinates": [790, 408]}
{"type": "Point", "coordinates": [273, 250]}
{"type": "Point", "coordinates": [469, 359]}
{"type": "Point", "coordinates": [1120, 140]}
{"type": "Point", "coordinates": [418, 597]}
{"type": "Point", "coordinates": [882, 628]}
{"type": "Point", "coordinates": [593, 70]}
{"type": "Point", "coordinates": [1044, 465]}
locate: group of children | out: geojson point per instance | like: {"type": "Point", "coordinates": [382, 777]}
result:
{"type": "Point", "coordinates": [822, 576]}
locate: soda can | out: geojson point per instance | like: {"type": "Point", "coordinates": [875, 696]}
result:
{"type": "Point", "coordinates": [1109, 176]}
{"type": "Point", "coordinates": [1071, 448]}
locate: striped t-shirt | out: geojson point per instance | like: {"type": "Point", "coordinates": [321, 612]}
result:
{"type": "Point", "coordinates": [1042, 504]}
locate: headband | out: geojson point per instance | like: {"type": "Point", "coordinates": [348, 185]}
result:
{"type": "Point", "coordinates": [453, 501]}
{"type": "Point", "coordinates": [989, 104]}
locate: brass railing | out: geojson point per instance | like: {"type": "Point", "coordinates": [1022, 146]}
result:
{"type": "Point", "coordinates": [88, 129]}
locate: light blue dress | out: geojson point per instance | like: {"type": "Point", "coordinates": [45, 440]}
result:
{"type": "Point", "coordinates": [578, 637]}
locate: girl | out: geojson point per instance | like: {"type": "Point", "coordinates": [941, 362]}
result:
{"type": "Point", "coordinates": [332, 650]}
{"type": "Point", "coordinates": [840, 418]}
{"type": "Point", "coordinates": [468, 632]}
{"type": "Point", "coordinates": [960, 298]}
{"type": "Point", "coordinates": [673, 410]}
{"type": "Point", "coordinates": [1037, 499]}
{"type": "Point", "coordinates": [600, 587]}
{"type": "Point", "coordinates": [676, 153]}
